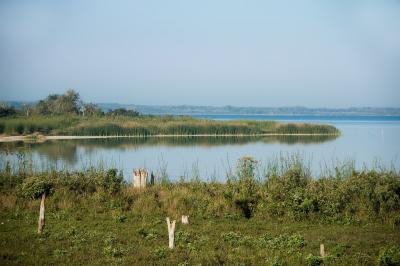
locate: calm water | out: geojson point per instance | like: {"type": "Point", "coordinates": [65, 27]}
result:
{"type": "Point", "coordinates": [366, 140]}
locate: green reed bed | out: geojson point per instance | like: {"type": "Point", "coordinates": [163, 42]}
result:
{"type": "Point", "coordinates": [151, 125]}
{"type": "Point", "coordinates": [39, 124]}
{"type": "Point", "coordinates": [95, 218]}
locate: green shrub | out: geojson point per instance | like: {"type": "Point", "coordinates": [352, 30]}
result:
{"type": "Point", "coordinates": [244, 191]}
{"type": "Point", "coordinates": [389, 256]}
{"type": "Point", "coordinates": [79, 183]}
{"type": "Point", "coordinates": [276, 261]}
{"type": "Point", "coordinates": [148, 234]}
{"type": "Point", "coordinates": [160, 252]}
{"type": "Point", "coordinates": [293, 242]}
{"type": "Point", "coordinates": [110, 182]}
{"type": "Point", "coordinates": [33, 187]}
{"type": "Point", "coordinates": [285, 194]}
{"type": "Point", "coordinates": [112, 247]}
{"type": "Point", "coordinates": [121, 218]}
{"type": "Point", "coordinates": [183, 238]}
{"type": "Point", "coordinates": [236, 239]}
{"type": "Point", "coordinates": [314, 260]}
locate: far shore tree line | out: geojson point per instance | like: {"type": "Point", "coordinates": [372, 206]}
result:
{"type": "Point", "coordinates": [68, 103]}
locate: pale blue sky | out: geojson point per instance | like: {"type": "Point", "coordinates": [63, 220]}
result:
{"type": "Point", "coordinates": [220, 52]}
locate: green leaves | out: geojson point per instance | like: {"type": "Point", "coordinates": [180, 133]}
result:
{"type": "Point", "coordinates": [110, 182]}
{"type": "Point", "coordinates": [389, 256]}
{"type": "Point", "coordinates": [244, 190]}
{"type": "Point", "coordinates": [33, 187]}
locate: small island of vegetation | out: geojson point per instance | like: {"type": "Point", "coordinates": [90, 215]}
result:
{"type": "Point", "coordinates": [68, 115]}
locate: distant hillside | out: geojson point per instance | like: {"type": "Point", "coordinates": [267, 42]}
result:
{"type": "Point", "coordinates": [197, 110]}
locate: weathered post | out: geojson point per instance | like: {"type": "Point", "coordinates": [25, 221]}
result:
{"type": "Point", "coordinates": [171, 233]}
{"type": "Point", "coordinates": [185, 219]}
{"type": "Point", "coordinates": [152, 179]}
{"type": "Point", "coordinates": [322, 250]}
{"type": "Point", "coordinates": [136, 178]}
{"type": "Point", "coordinates": [41, 214]}
{"type": "Point", "coordinates": [143, 177]}
{"type": "Point", "coordinates": [140, 178]}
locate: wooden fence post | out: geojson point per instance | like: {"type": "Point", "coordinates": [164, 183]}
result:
{"type": "Point", "coordinates": [322, 250]}
{"type": "Point", "coordinates": [143, 177]}
{"type": "Point", "coordinates": [140, 178]}
{"type": "Point", "coordinates": [171, 233]}
{"type": "Point", "coordinates": [136, 178]}
{"type": "Point", "coordinates": [185, 219]}
{"type": "Point", "coordinates": [152, 179]}
{"type": "Point", "coordinates": [41, 214]}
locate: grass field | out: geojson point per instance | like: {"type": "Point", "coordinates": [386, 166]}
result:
{"type": "Point", "coordinates": [103, 234]}
{"type": "Point", "coordinates": [94, 218]}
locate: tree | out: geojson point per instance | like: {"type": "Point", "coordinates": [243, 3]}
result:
{"type": "Point", "coordinates": [26, 109]}
{"type": "Point", "coordinates": [70, 102]}
{"type": "Point", "coordinates": [42, 108]}
{"type": "Point", "coordinates": [7, 110]}
{"type": "Point", "coordinates": [91, 109]}
{"type": "Point", "coordinates": [55, 104]}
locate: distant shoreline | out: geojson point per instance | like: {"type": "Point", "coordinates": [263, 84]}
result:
{"type": "Point", "coordinates": [41, 138]}
{"type": "Point", "coordinates": [292, 115]}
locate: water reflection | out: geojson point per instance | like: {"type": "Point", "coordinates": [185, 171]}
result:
{"type": "Point", "coordinates": [67, 150]}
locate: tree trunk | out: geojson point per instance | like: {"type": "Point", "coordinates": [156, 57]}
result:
{"type": "Point", "coordinates": [41, 214]}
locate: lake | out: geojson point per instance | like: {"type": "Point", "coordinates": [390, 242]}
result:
{"type": "Point", "coordinates": [369, 141]}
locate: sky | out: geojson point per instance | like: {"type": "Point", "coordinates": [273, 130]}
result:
{"type": "Point", "coordinates": [333, 53]}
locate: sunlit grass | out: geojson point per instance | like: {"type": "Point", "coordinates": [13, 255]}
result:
{"type": "Point", "coordinates": [152, 125]}
{"type": "Point", "coordinates": [94, 217]}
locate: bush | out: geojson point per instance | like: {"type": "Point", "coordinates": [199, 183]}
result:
{"type": "Point", "coordinates": [148, 234]}
{"type": "Point", "coordinates": [389, 256]}
{"type": "Point", "coordinates": [314, 260]}
{"type": "Point", "coordinates": [183, 238]}
{"type": "Point", "coordinates": [111, 181]}
{"type": "Point", "coordinates": [236, 239]}
{"type": "Point", "coordinates": [293, 242]}
{"type": "Point", "coordinates": [112, 247]}
{"type": "Point", "coordinates": [79, 183]}
{"type": "Point", "coordinates": [244, 191]}
{"type": "Point", "coordinates": [285, 194]}
{"type": "Point", "coordinates": [231, 237]}
{"type": "Point", "coordinates": [6, 110]}
{"type": "Point", "coordinates": [33, 187]}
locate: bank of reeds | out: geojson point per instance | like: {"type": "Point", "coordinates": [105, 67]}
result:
{"type": "Point", "coordinates": [152, 125]}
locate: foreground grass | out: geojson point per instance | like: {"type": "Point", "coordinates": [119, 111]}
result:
{"type": "Point", "coordinates": [102, 235]}
{"type": "Point", "coordinates": [151, 125]}
{"type": "Point", "coordinates": [94, 218]}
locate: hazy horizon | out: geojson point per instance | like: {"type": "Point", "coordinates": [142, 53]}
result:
{"type": "Point", "coordinates": [216, 106]}
{"type": "Point", "coordinates": [316, 54]}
